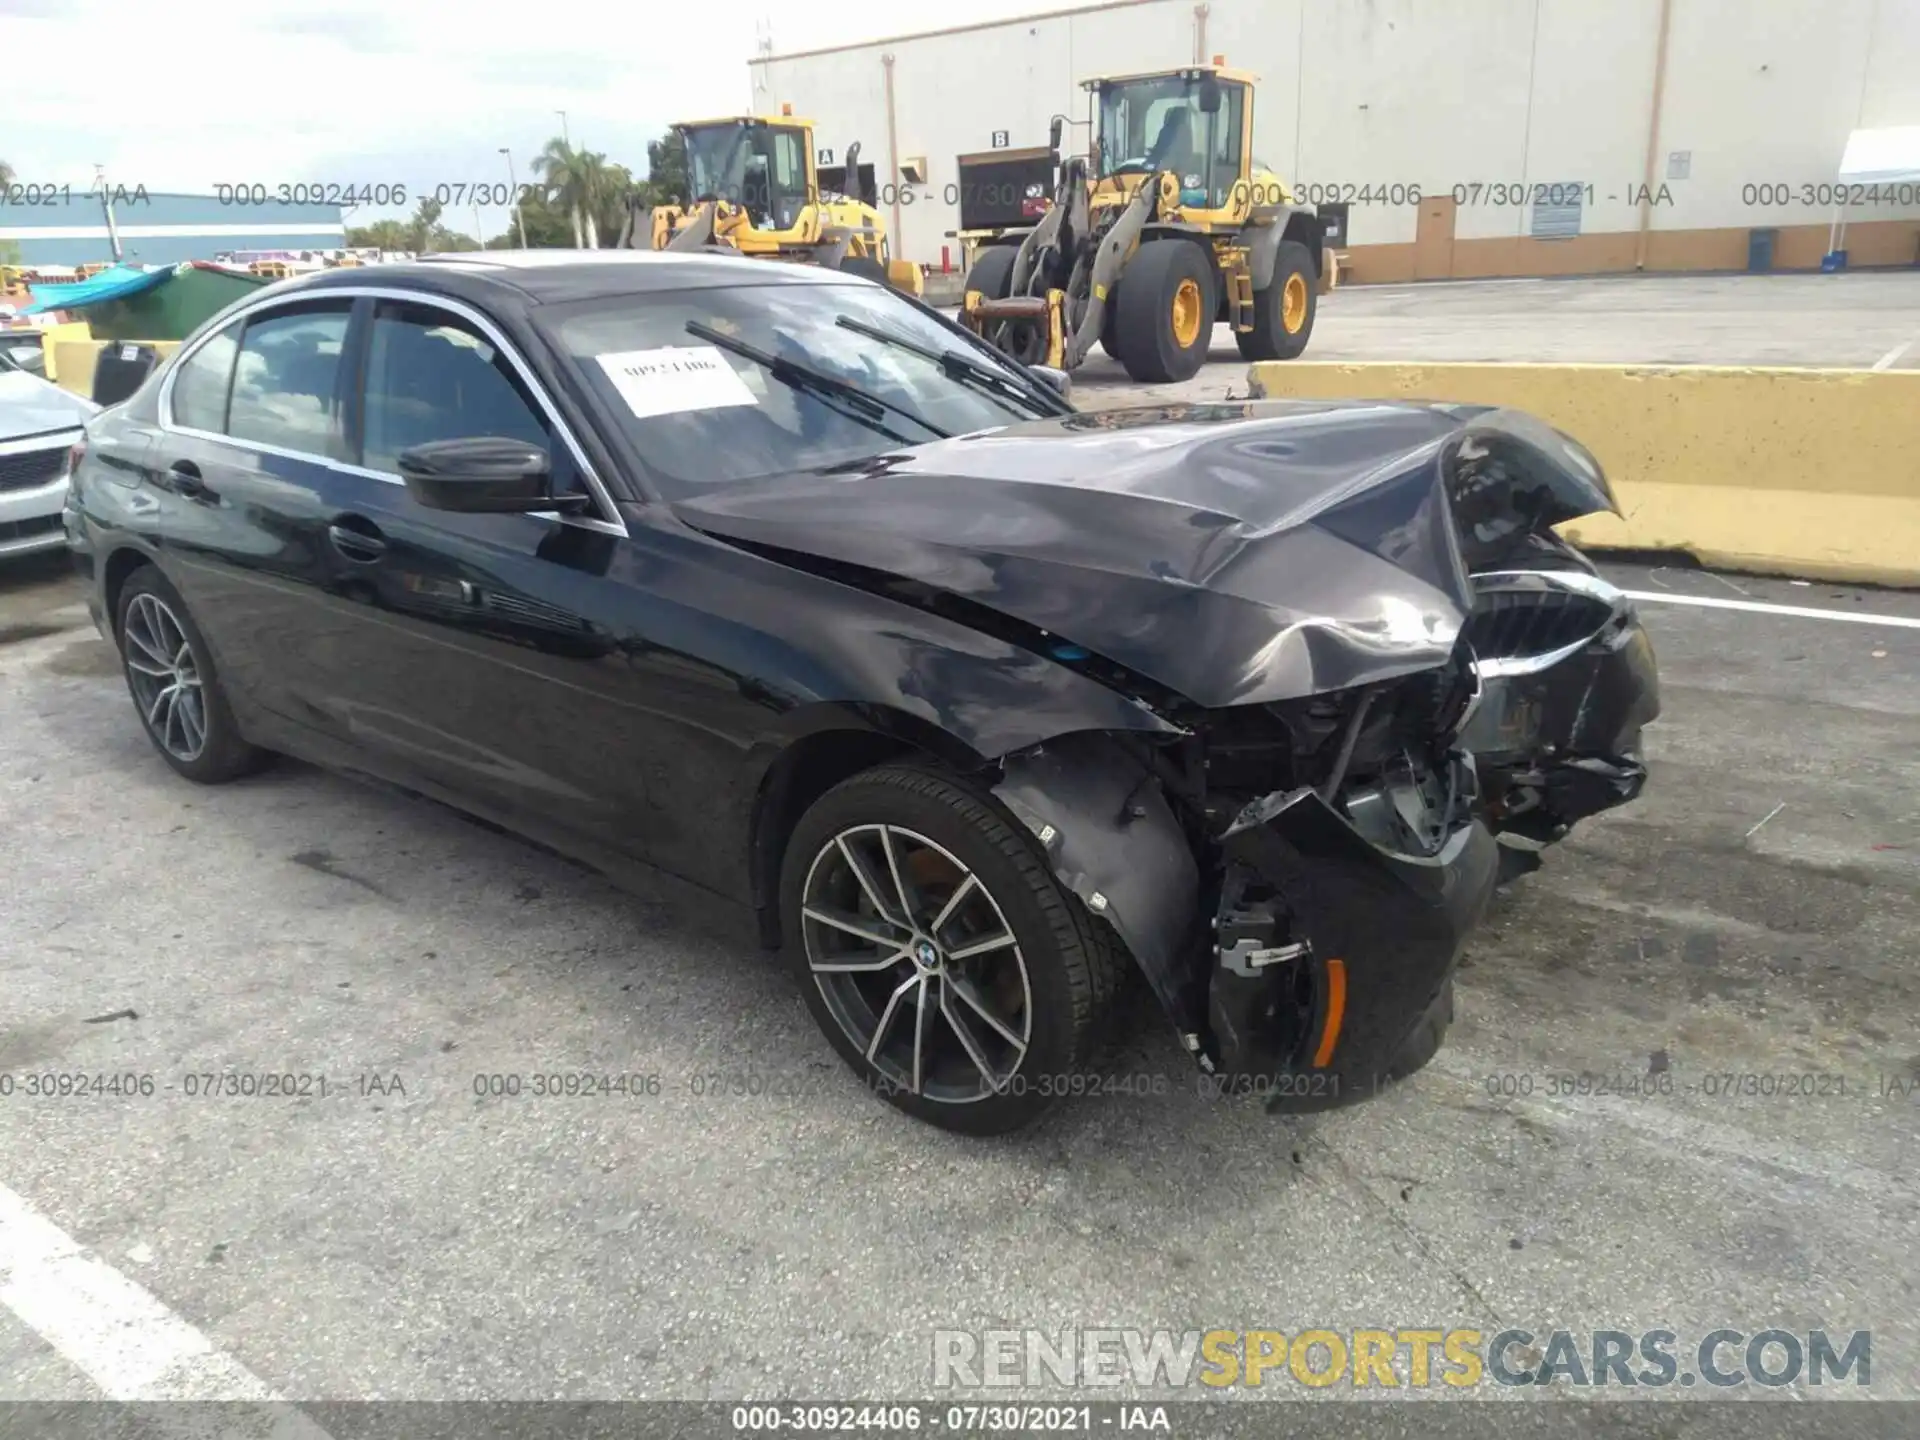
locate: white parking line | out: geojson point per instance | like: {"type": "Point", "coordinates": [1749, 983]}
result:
{"type": "Point", "coordinates": [1806, 612]}
{"type": "Point", "coordinates": [117, 1334]}
{"type": "Point", "coordinates": [1892, 357]}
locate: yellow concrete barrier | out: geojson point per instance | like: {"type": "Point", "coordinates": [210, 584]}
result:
{"type": "Point", "coordinates": [54, 336]}
{"type": "Point", "coordinates": [1812, 473]}
{"type": "Point", "coordinates": [73, 360]}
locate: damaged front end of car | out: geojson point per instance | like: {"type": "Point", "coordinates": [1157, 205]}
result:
{"type": "Point", "coordinates": [1294, 879]}
{"type": "Point", "coordinates": [1295, 831]}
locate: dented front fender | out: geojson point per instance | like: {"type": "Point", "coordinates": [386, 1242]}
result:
{"type": "Point", "coordinates": [1112, 839]}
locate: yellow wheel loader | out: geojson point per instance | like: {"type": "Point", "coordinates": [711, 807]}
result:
{"type": "Point", "coordinates": [756, 190]}
{"type": "Point", "coordinates": [1170, 227]}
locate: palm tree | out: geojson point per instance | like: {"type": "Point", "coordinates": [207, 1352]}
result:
{"type": "Point", "coordinates": [617, 194]}
{"type": "Point", "coordinates": [572, 179]}
{"type": "Point", "coordinates": [6, 174]}
{"type": "Point", "coordinates": [599, 180]}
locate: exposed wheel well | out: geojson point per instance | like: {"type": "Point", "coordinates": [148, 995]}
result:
{"type": "Point", "coordinates": [119, 569]}
{"type": "Point", "coordinates": [803, 773]}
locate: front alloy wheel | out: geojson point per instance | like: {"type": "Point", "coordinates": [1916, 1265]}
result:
{"type": "Point", "coordinates": [938, 953]}
{"type": "Point", "coordinates": [916, 963]}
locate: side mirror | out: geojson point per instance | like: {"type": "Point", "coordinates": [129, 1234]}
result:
{"type": "Point", "coordinates": [482, 475]}
{"type": "Point", "coordinates": [1054, 132]}
{"type": "Point", "coordinates": [1209, 96]}
{"type": "Point", "coordinates": [1056, 380]}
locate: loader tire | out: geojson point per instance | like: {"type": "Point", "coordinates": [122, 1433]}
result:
{"type": "Point", "coordinates": [1108, 327]}
{"type": "Point", "coordinates": [1283, 312]}
{"type": "Point", "coordinates": [1163, 318]}
{"type": "Point", "coordinates": [992, 272]}
{"type": "Point", "coordinates": [867, 268]}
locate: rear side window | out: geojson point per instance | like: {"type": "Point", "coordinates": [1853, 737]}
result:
{"type": "Point", "coordinates": [200, 386]}
{"type": "Point", "coordinates": [431, 376]}
{"type": "Point", "coordinates": [286, 381]}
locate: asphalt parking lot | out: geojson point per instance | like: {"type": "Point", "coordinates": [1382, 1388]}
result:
{"type": "Point", "coordinates": [1857, 321]}
{"type": "Point", "coordinates": [1755, 914]}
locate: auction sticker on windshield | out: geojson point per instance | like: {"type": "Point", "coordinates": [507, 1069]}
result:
{"type": "Point", "coordinates": [675, 378]}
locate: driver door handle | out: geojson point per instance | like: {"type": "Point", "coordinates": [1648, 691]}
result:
{"type": "Point", "coordinates": [183, 478]}
{"type": "Point", "coordinates": [362, 543]}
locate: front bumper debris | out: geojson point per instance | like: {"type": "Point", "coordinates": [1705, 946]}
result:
{"type": "Point", "coordinates": [1358, 945]}
{"type": "Point", "coordinates": [1557, 735]}
{"type": "Point", "coordinates": [1324, 976]}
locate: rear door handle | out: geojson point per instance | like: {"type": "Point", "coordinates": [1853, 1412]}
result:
{"type": "Point", "coordinates": [361, 543]}
{"type": "Point", "coordinates": [183, 478]}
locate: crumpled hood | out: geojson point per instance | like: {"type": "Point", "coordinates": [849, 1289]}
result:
{"type": "Point", "coordinates": [1234, 553]}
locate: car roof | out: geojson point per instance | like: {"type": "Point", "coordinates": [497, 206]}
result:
{"type": "Point", "coordinates": [558, 276]}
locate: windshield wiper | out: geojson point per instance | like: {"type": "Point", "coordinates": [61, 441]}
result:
{"type": "Point", "coordinates": [855, 403]}
{"type": "Point", "coordinates": [954, 364]}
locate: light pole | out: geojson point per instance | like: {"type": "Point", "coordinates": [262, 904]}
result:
{"type": "Point", "coordinates": [106, 209]}
{"type": "Point", "coordinates": [513, 197]}
{"type": "Point", "coordinates": [479, 235]}
{"type": "Point", "coordinates": [565, 138]}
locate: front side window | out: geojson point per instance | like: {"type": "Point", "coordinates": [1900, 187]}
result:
{"type": "Point", "coordinates": [431, 376]}
{"type": "Point", "coordinates": [200, 385]}
{"type": "Point", "coordinates": [789, 167]}
{"type": "Point", "coordinates": [701, 414]}
{"type": "Point", "coordinates": [286, 381]}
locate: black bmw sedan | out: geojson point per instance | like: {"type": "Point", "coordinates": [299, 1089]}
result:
{"type": "Point", "coordinates": [774, 579]}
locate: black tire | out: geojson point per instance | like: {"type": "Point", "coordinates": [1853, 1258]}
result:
{"type": "Point", "coordinates": [1270, 339]}
{"type": "Point", "coordinates": [1072, 963]}
{"type": "Point", "coordinates": [867, 268]}
{"type": "Point", "coordinates": [992, 272]}
{"type": "Point", "coordinates": [1143, 311]}
{"type": "Point", "coordinates": [223, 754]}
{"type": "Point", "coordinates": [1108, 323]}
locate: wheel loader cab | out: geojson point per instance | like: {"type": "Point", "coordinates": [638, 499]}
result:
{"type": "Point", "coordinates": [1195, 124]}
{"type": "Point", "coordinates": [764, 168]}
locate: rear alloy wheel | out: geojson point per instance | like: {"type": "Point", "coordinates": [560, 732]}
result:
{"type": "Point", "coordinates": [1163, 311]}
{"type": "Point", "coordinates": [1283, 312]}
{"type": "Point", "coordinates": [937, 952]}
{"type": "Point", "coordinates": [175, 689]}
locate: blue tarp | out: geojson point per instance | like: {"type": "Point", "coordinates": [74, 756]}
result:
{"type": "Point", "coordinates": [115, 284]}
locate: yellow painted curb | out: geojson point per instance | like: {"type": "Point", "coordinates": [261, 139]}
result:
{"type": "Point", "coordinates": [1811, 473]}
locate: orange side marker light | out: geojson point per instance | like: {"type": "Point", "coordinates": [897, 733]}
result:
{"type": "Point", "coordinates": [1336, 1012]}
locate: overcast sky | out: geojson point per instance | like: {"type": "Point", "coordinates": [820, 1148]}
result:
{"type": "Point", "coordinates": [411, 91]}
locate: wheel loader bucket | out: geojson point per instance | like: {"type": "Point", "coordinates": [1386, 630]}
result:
{"type": "Point", "coordinates": [906, 276]}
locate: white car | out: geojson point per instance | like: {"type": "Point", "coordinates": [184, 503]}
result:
{"type": "Point", "coordinates": [39, 425]}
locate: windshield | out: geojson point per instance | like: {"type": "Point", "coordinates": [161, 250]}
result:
{"type": "Point", "coordinates": [760, 167]}
{"type": "Point", "coordinates": [702, 415]}
{"type": "Point", "coordinates": [1156, 124]}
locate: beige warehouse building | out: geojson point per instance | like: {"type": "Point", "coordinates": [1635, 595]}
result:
{"type": "Point", "coordinates": [1542, 136]}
